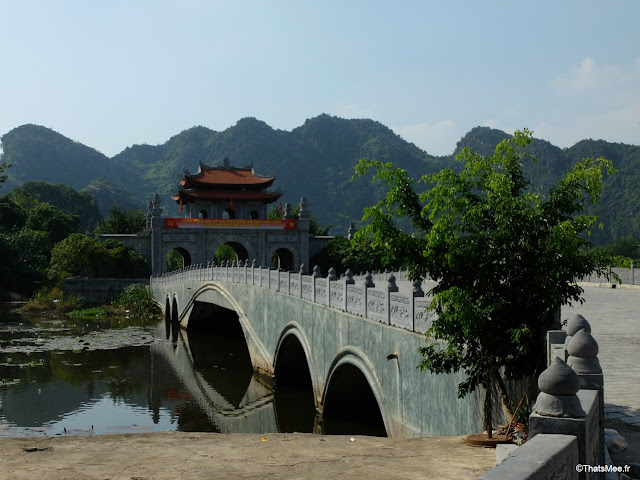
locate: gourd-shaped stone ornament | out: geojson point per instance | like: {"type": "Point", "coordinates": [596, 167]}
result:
{"type": "Point", "coordinates": [583, 353]}
{"type": "Point", "coordinates": [558, 387]}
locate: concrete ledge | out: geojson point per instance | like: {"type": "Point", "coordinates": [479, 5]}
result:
{"type": "Point", "coordinates": [544, 456]}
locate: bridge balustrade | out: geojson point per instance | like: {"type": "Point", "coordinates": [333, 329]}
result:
{"type": "Point", "coordinates": [357, 295]}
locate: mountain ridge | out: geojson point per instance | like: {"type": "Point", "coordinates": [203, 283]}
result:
{"type": "Point", "coordinates": [315, 159]}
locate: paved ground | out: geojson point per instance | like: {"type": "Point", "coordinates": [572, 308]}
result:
{"type": "Point", "coordinates": [170, 455]}
{"type": "Point", "coordinates": [614, 316]}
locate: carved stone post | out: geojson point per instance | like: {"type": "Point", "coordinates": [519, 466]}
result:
{"type": "Point", "coordinates": [561, 408]}
{"type": "Point", "coordinates": [583, 358]}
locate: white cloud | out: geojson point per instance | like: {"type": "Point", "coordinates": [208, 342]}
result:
{"type": "Point", "coordinates": [436, 139]}
{"type": "Point", "coordinates": [594, 101]}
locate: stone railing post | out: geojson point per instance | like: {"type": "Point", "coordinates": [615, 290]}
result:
{"type": "Point", "coordinates": [560, 409]}
{"type": "Point", "coordinates": [300, 273]}
{"type": "Point", "coordinates": [392, 287]}
{"type": "Point", "coordinates": [583, 358]}
{"type": "Point", "coordinates": [348, 280]}
{"type": "Point", "coordinates": [366, 283]}
{"type": "Point", "coordinates": [317, 273]}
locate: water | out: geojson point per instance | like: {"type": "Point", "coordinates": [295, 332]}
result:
{"type": "Point", "coordinates": [64, 377]}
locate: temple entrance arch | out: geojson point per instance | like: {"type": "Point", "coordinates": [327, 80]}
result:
{"type": "Point", "coordinates": [283, 257]}
{"type": "Point", "coordinates": [232, 247]}
{"type": "Point", "coordinates": [177, 258]}
{"type": "Point", "coordinates": [231, 251]}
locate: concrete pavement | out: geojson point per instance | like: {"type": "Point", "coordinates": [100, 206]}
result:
{"type": "Point", "coordinates": [614, 315]}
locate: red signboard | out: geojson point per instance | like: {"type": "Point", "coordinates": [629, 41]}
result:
{"type": "Point", "coordinates": [230, 223]}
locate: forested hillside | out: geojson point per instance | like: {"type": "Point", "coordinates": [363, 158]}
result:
{"type": "Point", "coordinates": [315, 160]}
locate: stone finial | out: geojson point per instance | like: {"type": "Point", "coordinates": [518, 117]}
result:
{"type": "Point", "coordinates": [234, 263]}
{"type": "Point", "coordinates": [332, 275]}
{"type": "Point", "coordinates": [392, 285]}
{"type": "Point", "coordinates": [574, 324]}
{"type": "Point", "coordinates": [583, 353]}
{"type": "Point", "coordinates": [301, 268]}
{"type": "Point", "coordinates": [351, 231]}
{"type": "Point", "coordinates": [558, 387]}
{"type": "Point", "coordinates": [287, 211]}
{"type": "Point", "coordinates": [253, 263]}
{"type": "Point", "coordinates": [156, 211]}
{"type": "Point", "coordinates": [368, 280]}
{"type": "Point", "coordinates": [349, 277]}
{"type": "Point", "coordinates": [417, 288]}
{"type": "Point", "coordinates": [304, 208]}
{"type": "Point", "coordinates": [240, 263]}
{"type": "Point", "coordinates": [317, 271]}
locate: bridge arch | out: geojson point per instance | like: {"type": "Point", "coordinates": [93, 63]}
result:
{"type": "Point", "coordinates": [231, 239]}
{"type": "Point", "coordinates": [175, 313]}
{"type": "Point", "coordinates": [212, 292]}
{"type": "Point", "coordinates": [354, 357]}
{"type": "Point", "coordinates": [295, 330]}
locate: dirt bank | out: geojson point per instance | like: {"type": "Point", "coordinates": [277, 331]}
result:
{"type": "Point", "coordinates": [193, 456]}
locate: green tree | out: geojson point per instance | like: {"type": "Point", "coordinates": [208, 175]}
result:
{"type": "Point", "coordinates": [11, 214]}
{"type": "Point", "coordinates": [50, 219]}
{"type": "Point", "coordinates": [3, 167]}
{"type": "Point", "coordinates": [505, 259]}
{"type": "Point", "coordinates": [24, 258]}
{"type": "Point", "coordinates": [315, 228]}
{"type": "Point", "coordinates": [75, 255]}
{"type": "Point", "coordinates": [122, 221]}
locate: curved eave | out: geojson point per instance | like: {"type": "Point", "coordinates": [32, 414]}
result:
{"type": "Point", "coordinates": [187, 196]}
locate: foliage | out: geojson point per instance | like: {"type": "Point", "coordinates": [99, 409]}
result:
{"type": "Point", "coordinates": [505, 258]}
{"type": "Point", "coordinates": [11, 214]}
{"type": "Point", "coordinates": [81, 255]}
{"type": "Point", "coordinates": [223, 253]}
{"type": "Point", "coordinates": [75, 255]}
{"type": "Point", "coordinates": [24, 257]}
{"type": "Point", "coordinates": [47, 218]}
{"type": "Point", "coordinates": [122, 221]}
{"type": "Point", "coordinates": [137, 299]}
{"type": "Point", "coordinates": [33, 193]}
{"type": "Point", "coordinates": [357, 255]}
{"type": "Point", "coordinates": [3, 166]}
{"type": "Point", "coordinates": [175, 260]}
{"type": "Point", "coordinates": [275, 213]}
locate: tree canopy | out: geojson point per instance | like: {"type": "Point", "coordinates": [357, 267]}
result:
{"type": "Point", "coordinates": [505, 258]}
{"type": "Point", "coordinates": [122, 221]}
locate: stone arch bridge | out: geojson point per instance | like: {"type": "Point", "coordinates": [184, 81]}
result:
{"type": "Point", "coordinates": [340, 325]}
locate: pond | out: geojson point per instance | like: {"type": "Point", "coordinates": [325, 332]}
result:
{"type": "Point", "coordinates": [76, 377]}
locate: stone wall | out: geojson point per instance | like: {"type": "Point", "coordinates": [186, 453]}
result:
{"type": "Point", "coordinates": [98, 291]}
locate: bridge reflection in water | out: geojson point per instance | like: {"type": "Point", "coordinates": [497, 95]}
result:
{"type": "Point", "coordinates": [215, 367]}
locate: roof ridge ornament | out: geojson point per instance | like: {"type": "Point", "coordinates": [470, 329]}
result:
{"type": "Point", "coordinates": [226, 163]}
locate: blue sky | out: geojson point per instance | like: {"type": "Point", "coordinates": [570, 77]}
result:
{"type": "Point", "coordinates": [114, 73]}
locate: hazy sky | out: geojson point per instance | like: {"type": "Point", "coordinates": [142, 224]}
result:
{"type": "Point", "coordinates": [114, 73]}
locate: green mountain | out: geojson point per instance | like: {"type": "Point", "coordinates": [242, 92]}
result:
{"type": "Point", "coordinates": [315, 159]}
{"type": "Point", "coordinates": [39, 153]}
{"type": "Point", "coordinates": [619, 206]}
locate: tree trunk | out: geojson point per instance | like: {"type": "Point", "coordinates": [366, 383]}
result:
{"type": "Point", "coordinates": [502, 389]}
{"type": "Point", "coordinates": [488, 410]}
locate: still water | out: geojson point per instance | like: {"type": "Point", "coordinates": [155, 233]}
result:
{"type": "Point", "coordinates": [66, 377]}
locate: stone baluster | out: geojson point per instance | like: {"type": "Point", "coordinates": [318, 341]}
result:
{"type": "Point", "coordinates": [583, 358]}
{"type": "Point", "coordinates": [366, 284]}
{"type": "Point", "coordinates": [562, 408]}
{"type": "Point", "coordinates": [574, 324]}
